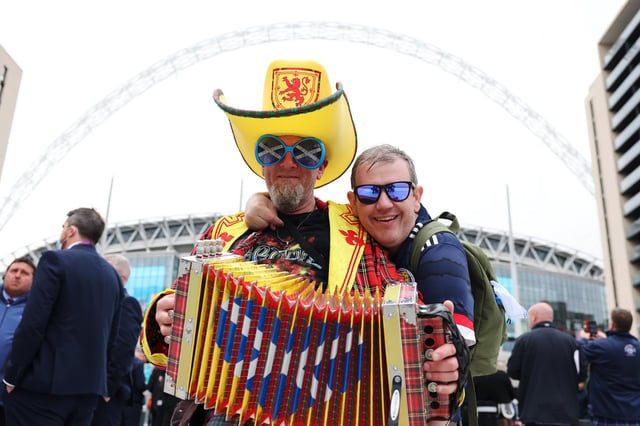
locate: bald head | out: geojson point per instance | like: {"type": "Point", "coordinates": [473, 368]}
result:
{"type": "Point", "coordinates": [121, 264]}
{"type": "Point", "coordinates": [540, 312]}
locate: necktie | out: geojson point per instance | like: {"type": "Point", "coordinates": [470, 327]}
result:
{"type": "Point", "coordinates": [10, 301]}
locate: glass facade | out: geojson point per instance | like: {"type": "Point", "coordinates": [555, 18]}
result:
{"type": "Point", "coordinates": [150, 274]}
{"type": "Point", "coordinates": [573, 298]}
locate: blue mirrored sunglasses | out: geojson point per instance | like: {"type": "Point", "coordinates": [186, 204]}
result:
{"type": "Point", "coordinates": [396, 191]}
{"type": "Point", "coordinates": [307, 152]}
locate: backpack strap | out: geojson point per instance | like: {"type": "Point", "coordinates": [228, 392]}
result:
{"type": "Point", "coordinates": [428, 231]}
{"type": "Point", "coordinates": [472, 401]}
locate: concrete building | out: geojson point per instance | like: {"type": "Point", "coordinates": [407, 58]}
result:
{"type": "Point", "coordinates": [10, 76]}
{"type": "Point", "coordinates": [613, 114]}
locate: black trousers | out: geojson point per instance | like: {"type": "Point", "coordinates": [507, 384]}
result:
{"type": "Point", "coordinates": [25, 408]}
{"type": "Point", "coordinates": [108, 413]}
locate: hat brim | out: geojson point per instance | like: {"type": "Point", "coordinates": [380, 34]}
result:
{"type": "Point", "coordinates": [328, 119]}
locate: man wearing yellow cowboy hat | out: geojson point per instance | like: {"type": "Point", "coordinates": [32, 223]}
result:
{"type": "Point", "coordinates": [303, 138]}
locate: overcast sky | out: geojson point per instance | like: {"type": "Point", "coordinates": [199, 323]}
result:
{"type": "Point", "coordinates": [170, 151]}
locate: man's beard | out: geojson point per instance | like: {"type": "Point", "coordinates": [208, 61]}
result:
{"type": "Point", "coordinates": [286, 198]}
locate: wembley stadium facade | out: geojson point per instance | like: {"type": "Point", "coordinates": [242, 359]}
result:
{"type": "Point", "coordinates": [572, 283]}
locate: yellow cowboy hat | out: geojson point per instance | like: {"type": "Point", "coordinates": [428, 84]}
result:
{"type": "Point", "coordinates": [297, 101]}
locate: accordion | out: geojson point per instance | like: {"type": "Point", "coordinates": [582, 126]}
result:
{"type": "Point", "coordinates": [259, 345]}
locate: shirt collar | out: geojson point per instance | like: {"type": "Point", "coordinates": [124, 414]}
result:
{"type": "Point", "coordinates": [83, 242]}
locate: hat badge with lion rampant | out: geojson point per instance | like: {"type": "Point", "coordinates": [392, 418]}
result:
{"type": "Point", "coordinates": [297, 101]}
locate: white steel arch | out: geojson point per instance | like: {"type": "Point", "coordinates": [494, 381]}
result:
{"type": "Point", "coordinates": [206, 49]}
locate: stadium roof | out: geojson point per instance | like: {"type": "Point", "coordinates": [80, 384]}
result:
{"type": "Point", "coordinates": [178, 234]}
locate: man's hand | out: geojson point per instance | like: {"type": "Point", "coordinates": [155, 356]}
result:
{"type": "Point", "coordinates": [260, 213]}
{"type": "Point", "coordinates": [164, 313]}
{"type": "Point", "coordinates": [443, 367]}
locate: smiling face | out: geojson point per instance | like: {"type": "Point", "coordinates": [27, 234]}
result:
{"type": "Point", "coordinates": [290, 185]}
{"type": "Point", "coordinates": [389, 222]}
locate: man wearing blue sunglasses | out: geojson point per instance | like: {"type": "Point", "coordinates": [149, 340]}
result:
{"type": "Point", "coordinates": [386, 198]}
{"type": "Point", "coordinates": [296, 148]}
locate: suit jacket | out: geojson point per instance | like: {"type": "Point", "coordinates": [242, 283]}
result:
{"type": "Point", "coordinates": [124, 349]}
{"type": "Point", "coordinates": [68, 325]}
{"type": "Point", "coordinates": [137, 381]}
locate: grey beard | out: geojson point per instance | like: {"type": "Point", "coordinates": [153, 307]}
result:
{"type": "Point", "coordinates": [285, 198]}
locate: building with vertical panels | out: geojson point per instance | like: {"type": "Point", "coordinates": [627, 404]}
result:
{"type": "Point", "coordinates": [613, 116]}
{"type": "Point", "coordinates": [10, 75]}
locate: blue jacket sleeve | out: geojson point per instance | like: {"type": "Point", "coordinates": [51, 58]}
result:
{"type": "Point", "coordinates": [29, 334]}
{"type": "Point", "coordinates": [443, 274]}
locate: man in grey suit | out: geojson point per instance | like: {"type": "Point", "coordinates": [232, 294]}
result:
{"type": "Point", "coordinates": [58, 365]}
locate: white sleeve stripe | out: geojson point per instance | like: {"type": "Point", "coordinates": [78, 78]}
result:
{"type": "Point", "coordinates": [431, 242]}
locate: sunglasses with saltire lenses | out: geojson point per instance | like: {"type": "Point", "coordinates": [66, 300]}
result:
{"type": "Point", "coordinates": [307, 152]}
{"type": "Point", "coordinates": [396, 191]}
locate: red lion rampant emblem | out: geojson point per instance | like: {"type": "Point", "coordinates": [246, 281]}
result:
{"type": "Point", "coordinates": [294, 87]}
{"type": "Point", "coordinates": [352, 238]}
{"type": "Point", "coordinates": [225, 237]}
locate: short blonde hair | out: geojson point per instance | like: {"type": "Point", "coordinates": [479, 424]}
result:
{"type": "Point", "coordinates": [121, 264]}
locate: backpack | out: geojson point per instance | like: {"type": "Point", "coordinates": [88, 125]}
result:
{"type": "Point", "coordinates": [489, 321]}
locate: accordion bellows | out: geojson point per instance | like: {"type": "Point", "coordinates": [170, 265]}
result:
{"type": "Point", "coordinates": [261, 346]}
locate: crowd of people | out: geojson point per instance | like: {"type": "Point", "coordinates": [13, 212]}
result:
{"type": "Point", "coordinates": [69, 338]}
{"type": "Point", "coordinates": [70, 329]}
{"type": "Point", "coordinates": [555, 370]}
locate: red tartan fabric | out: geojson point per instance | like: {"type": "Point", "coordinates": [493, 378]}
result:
{"type": "Point", "coordinates": [207, 318]}
{"type": "Point", "coordinates": [372, 404]}
{"type": "Point", "coordinates": [173, 351]}
{"type": "Point", "coordinates": [151, 339]}
{"type": "Point", "coordinates": [374, 272]}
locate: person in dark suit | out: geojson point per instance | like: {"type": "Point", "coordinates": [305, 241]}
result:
{"type": "Point", "coordinates": [162, 404]}
{"type": "Point", "coordinates": [549, 365]}
{"type": "Point", "coordinates": [133, 407]}
{"type": "Point", "coordinates": [58, 363]}
{"type": "Point", "coordinates": [110, 411]}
